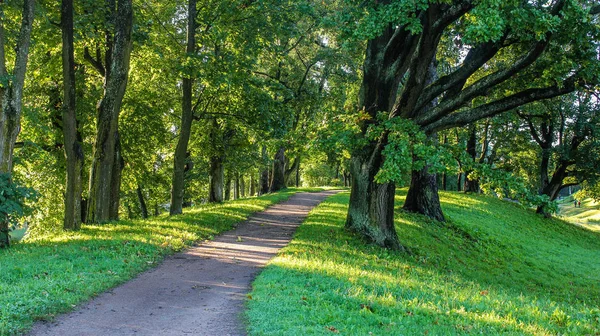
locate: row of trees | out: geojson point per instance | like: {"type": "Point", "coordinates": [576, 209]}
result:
{"type": "Point", "coordinates": [196, 98]}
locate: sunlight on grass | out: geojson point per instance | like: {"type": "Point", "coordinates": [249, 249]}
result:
{"type": "Point", "coordinates": [497, 269]}
{"type": "Point", "coordinates": [42, 277]}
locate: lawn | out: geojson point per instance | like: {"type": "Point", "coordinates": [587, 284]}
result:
{"type": "Point", "coordinates": [493, 268]}
{"type": "Point", "coordinates": [40, 278]}
{"type": "Point", "coordinates": [588, 215]}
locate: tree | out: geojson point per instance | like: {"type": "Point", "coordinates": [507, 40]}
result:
{"type": "Point", "coordinates": [504, 57]}
{"type": "Point", "coordinates": [72, 138]}
{"type": "Point", "coordinates": [12, 84]}
{"type": "Point", "coordinates": [566, 131]}
{"type": "Point", "coordinates": [187, 116]}
{"type": "Point", "coordinates": [11, 93]}
{"type": "Point", "coordinates": [107, 165]}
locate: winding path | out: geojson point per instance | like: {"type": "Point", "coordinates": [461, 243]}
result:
{"type": "Point", "coordinates": [197, 292]}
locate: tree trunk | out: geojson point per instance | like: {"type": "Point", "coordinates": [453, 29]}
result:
{"type": "Point", "coordinates": [278, 178]}
{"type": "Point", "coordinates": [371, 207]}
{"type": "Point", "coordinates": [264, 174]}
{"type": "Point", "coordinates": [553, 186]}
{"type": "Point", "coordinates": [11, 91]}
{"type": "Point", "coordinates": [471, 185]}
{"type": "Point", "coordinates": [298, 174]}
{"type": "Point", "coordinates": [544, 166]}
{"type": "Point", "coordinates": [252, 185]}
{"type": "Point", "coordinates": [242, 187]}
{"type": "Point", "coordinates": [288, 171]}
{"type": "Point", "coordinates": [217, 176]}
{"type": "Point", "coordinates": [105, 174]}
{"type": "Point", "coordinates": [72, 138]}
{"type": "Point", "coordinates": [187, 114]}
{"type": "Point", "coordinates": [423, 195]}
{"type": "Point", "coordinates": [264, 181]}
{"type": "Point", "coordinates": [228, 187]}
{"type": "Point", "coordinates": [236, 187]}
{"type": "Point", "coordinates": [142, 201]}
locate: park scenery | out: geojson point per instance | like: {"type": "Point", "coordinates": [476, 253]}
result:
{"type": "Point", "coordinates": [300, 167]}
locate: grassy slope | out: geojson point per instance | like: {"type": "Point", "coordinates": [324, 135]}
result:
{"type": "Point", "coordinates": [40, 278]}
{"type": "Point", "coordinates": [494, 268]}
{"type": "Point", "coordinates": [588, 215]}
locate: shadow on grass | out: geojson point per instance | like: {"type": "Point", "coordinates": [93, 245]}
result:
{"type": "Point", "coordinates": [42, 277]}
{"type": "Point", "coordinates": [476, 274]}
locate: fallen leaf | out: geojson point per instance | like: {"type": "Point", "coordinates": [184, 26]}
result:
{"type": "Point", "coordinates": [332, 329]}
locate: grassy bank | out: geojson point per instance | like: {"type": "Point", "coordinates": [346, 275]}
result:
{"type": "Point", "coordinates": [588, 215]}
{"type": "Point", "coordinates": [43, 277]}
{"type": "Point", "coordinates": [493, 268]}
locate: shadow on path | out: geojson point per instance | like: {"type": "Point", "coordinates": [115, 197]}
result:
{"type": "Point", "coordinates": [200, 291]}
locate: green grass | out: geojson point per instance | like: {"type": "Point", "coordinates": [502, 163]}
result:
{"type": "Point", "coordinates": [588, 215]}
{"type": "Point", "coordinates": [40, 278]}
{"type": "Point", "coordinates": [493, 268]}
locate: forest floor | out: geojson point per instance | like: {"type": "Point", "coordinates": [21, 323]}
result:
{"type": "Point", "coordinates": [200, 291]}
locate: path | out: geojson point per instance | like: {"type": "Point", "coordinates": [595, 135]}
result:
{"type": "Point", "coordinates": [197, 292]}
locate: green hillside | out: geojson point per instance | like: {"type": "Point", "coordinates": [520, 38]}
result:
{"type": "Point", "coordinates": [588, 215]}
{"type": "Point", "coordinates": [493, 268]}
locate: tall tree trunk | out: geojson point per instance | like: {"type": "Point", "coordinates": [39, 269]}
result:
{"type": "Point", "coordinates": [236, 187]}
{"type": "Point", "coordinates": [252, 185]}
{"type": "Point", "coordinates": [228, 187]}
{"type": "Point", "coordinates": [544, 166]}
{"type": "Point", "coordinates": [217, 176]}
{"type": "Point", "coordinates": [471, 185]}
{"type": "Point", "coordinates": [264, 174]}
{"type": "Point", "coordinates": [142, 201]}
{"type": "Point", "coordinates": [242, 187]}
{"type": "Point", "coordinates": [278, 178]}
{"type": "Point", "coordinates": [11, 94]}
{"type": "Point", "coordinates": [423, 195]}
{"type": "Point", "coordinates": [72, 138]}
{"type": "Point", "coordinates": [187, 114]}
{"type": "Point", "coordinates": [298, 174]}
{"type": "Point", "coordinates": [105, 174]}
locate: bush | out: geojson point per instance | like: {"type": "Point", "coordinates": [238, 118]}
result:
{"type": "Point", "coordinates": [12, 205]}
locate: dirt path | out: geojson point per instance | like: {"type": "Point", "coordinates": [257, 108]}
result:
{"type": "Point", "coordinates": [197, 292]}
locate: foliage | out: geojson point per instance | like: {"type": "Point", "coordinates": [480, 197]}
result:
{"type": "Point", "coordinates": [13, 201]}
{"type": "Point", "coordinates": [44, 276]}
{"type": "Point", "coordinates": [408, 149]}
{"type": "Point", "coordinates": [493, 268]}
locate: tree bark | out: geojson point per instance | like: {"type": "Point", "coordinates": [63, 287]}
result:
{"type": "Point", "coordinates": [236, 187]}
{"type": "Point", "coordinates": [371, 207]}
{"type": "Point", "coordinates": [11, 92]}
{"type": "Point", "coordinates": [142, 201]}
{"type": "Point", "coordinates": [298, 174]}
{"type": "Point", "coordinates": [423, 195]}
{"type": "Point", "coordinates": [105, 174]}
{"type": "Point", "coordinates": [72, 138]}
{"type": "Point", "coordinates": [187, 114]}
{"type": "Point", "coordinates": [278, 178]}
{"type": "Point", "coordinates": [228, 187]}
{"type": "Point", "coordinates": [252, 185]}
{"type": "Point", "coordinates": [217, 177]}
{"type": "Point", "coordinates": [242, 187]}
{"type": "Point", "coordinates": [471, 185]}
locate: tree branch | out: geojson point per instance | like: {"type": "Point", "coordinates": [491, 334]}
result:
{"type": "Point", "coordinates": [499, 106]}
{"type": "Point", "coordinates": [96, 63]}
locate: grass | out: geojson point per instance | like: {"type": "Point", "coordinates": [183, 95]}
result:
{"type": "Point", "coordinates": [493, 268]}
{"type": "Point", "coordinates": [40, 278]}
{"type": "Point", "coordinates": [588, 215]}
